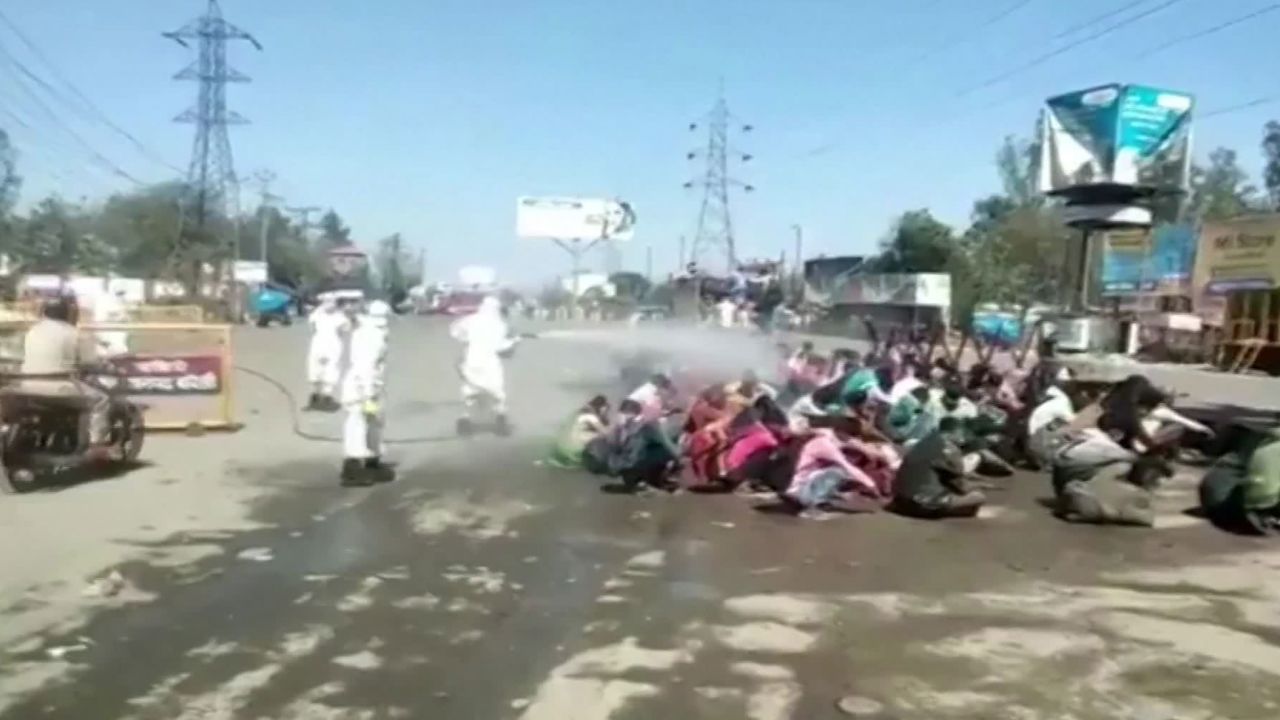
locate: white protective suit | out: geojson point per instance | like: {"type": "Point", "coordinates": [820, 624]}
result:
{"type": "Point", "coordinates": [110, 309]}
{"type": "Point", "coordinates": [363, 389]}
{"type": "Point", "coordinates": [329, 327]}
{"type": "Point", "coordinates": [486, 338]}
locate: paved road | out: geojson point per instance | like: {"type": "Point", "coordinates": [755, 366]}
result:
{"type": "Point", "coordinates": [482, 585]}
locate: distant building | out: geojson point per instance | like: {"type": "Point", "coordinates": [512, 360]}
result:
{"type": "Point", "coordinates": [347, 260]}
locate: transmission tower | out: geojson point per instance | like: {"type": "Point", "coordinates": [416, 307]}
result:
{"type": "Point", "coordinates": [715, 223]}
{"type": "Point", "coordinates": [211, 191]}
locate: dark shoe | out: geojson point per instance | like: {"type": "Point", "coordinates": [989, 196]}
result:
{"type": "Point", "coordinates": [354, 474]}
{"type": "Point", "coordinates": [378, 471]}
{"type": "Point", "coordinates": [313, 402]}
{"type": "Point", "coordinates": [329, 404]}
{"type": "Point", "coordinates": [502, 427]}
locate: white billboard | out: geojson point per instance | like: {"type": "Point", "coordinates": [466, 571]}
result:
{"type": "Point", "coordinates": [921, 289]}
{"type": "Point", "coordinates": [566, 218]}
{"type": "Point", "coordinates": [250, 272]}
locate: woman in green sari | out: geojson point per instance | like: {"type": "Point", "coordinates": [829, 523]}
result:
{"type": "Point", "coordinates": [590, 422]}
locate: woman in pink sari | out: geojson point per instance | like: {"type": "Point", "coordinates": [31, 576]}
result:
{"type": "Point", "coordinates": [705, 438]}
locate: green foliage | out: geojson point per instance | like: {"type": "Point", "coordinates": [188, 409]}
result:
{"type": "Point", "coordinates": [333, 233]}
{"type": "Point", "coordinates": [10, 183]}
{"type": "Point", "coordinates": [1222, 190]}
{"type": "Point", "coordinates": [918, 243]}
{"type": "Point", "coordinates": [1271, 155]}
{"type": "Point", "coordinates": [142, 228]}
{"type": "Point", "coordinates": [391, 261]}
{"type": "Point", "coordinates": [630, 286]}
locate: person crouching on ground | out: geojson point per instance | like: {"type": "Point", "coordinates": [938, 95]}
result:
{"type": "Point", "coordinates": [1244, 496]}
{"type": "Point", "coordinates": [636, 451]}
{"type": "Point", "coordinates": [363, 392]}
{"type": "Point", "coordinates": [824, 477]}
{"type": "Point", "coordinates": [657, 398]}
{"type": "Point", "coordinates": [590, 422]}
{"type": "Point", "coordinates": [930, 484]}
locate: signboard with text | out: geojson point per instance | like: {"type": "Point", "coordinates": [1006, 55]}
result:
{"type": "Point", "coordinates": [1159, 261]}
{"type": "Point", "coordinates": [1240, 254]}
{"type": "Point", "coordinates": [1114, 134]}
{"type": "Point", "coordinates": [173, 375]}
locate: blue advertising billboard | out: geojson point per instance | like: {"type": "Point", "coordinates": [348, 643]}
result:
{"type": "Point", "coordinates": [1111, 134]}
{"type": "Point", "coordinates": [1156, 261]}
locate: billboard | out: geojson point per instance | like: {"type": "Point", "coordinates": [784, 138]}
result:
{"type": "Point", "coordinates": [916, 289]}
{"type": "Point", "coordinates": [1240, 254]}
{"type": "Point", "coordinates": [1159, 261]}
{"type": "Point", "coordinates": [1114, 134]}
{"type": "Point", "coordinates": [250, 271]}
{"type": "Point", "coordinates": [566, 218]}
{"type": "Point", "coordinates": [825, 275]}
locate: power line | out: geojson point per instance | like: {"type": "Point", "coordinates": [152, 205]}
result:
{"type": "Point", "coordinates": [85, 102]}
{"type": "Point", "coordinates": [56, 120]}
{"type": "Point", "coordinates": [1040, 60]}
{"type": "Point", "coordinates": [965, 35]}
{"type": "Point", "coordinates": [1206, 32]}
{"type": "Point", "coordinates": [1098, 19]}
{"type": "Point", "coordinates": [1248, 105]}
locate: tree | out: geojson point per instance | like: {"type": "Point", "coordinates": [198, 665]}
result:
{"type": "Point", "coordinates": [48, 240]}
{"type": "Point", "coordinates": [333, 233]}
{"type": "Point", "coordinates": [142, 229]}
{"type": "Point", "coordinates": [10, 183]}
{"type": "Point", "coordinates": [1222, 189]}
{"type": "Point", "coordinates": [630, 286]}
{"type": "Point", "coordinates": [1271, 170]}
{"type": "Point", "coordinates": [1018, 162]}
{"type": "Point", "coordinates": [390, 263]}
{"type": "Point", "coordinates": [291, 261]}
{"type": "Point", "coordinates": [918, 243]}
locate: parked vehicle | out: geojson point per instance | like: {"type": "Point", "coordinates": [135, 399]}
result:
{"type": "Point", "coordinates": [40, 435]}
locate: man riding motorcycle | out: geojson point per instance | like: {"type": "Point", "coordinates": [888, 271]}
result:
{"type": "Point", "coordinates": [53, 354]}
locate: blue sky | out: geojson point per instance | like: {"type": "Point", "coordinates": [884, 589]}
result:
{"type": "Point", "coordinates": [429, 117]}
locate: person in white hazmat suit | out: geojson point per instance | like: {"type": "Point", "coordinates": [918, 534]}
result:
{"type": "Point", "coordinates": [110, 309]}
{"type": "Point", "coordinates": [329, 329]}
{"type": "Point", "coordinates": [363, 392]}
{"type": "Point", "coordinates": [487, 339]}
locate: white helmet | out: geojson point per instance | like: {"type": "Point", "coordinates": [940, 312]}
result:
{"type": "Point", "coordinates": [378, 313]}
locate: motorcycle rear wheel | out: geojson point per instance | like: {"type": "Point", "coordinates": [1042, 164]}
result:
{"type": "Point", "coordinates": [134, 433]}
{"type": "Point", "coordinates": [17, 480]}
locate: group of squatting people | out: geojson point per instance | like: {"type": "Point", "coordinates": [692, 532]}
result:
{"type": "Point", "coordinates": [848, 433]}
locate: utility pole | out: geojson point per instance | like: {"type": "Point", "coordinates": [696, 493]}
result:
{"type": "Point", "coordinates": [304, 218]}
{"type": "Point", "coordinates": [715, 223]}
{"type": "Point", "coordinates": [648, 263]}
{"type": "Point", "coordinates": [265, 198]}
{"type": "Point", "coordinates": [212, 191]}
{"type": "Point", "coordinates": [798, 272]}
{"type": "Point", "coordinates": [680, 267]}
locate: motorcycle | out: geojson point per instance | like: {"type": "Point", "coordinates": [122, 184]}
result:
{"type": "Point", "coordinates": [40, 435]}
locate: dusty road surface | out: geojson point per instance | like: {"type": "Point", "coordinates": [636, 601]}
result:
{"type": "Point", "coordinates": [233, 578]}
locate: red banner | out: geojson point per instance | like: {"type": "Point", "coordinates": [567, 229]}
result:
{"type": "Point", "coordinates": [169, 374]}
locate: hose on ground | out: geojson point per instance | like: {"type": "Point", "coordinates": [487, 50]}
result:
{"type": "Point", "coordinates": [296, 419]}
